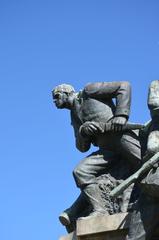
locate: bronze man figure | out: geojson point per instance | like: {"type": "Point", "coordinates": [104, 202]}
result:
{"type": "Point", "coordinates": [90, 107]}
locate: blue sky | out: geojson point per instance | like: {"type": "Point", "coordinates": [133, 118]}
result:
{"type": "Point", "coordinates": [43, 44]}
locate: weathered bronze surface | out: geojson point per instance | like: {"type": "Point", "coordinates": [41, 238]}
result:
{"type": "Point", "coordinates": [124, 149]}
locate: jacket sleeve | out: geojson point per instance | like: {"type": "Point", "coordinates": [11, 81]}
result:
{"type": "Point", "coordinates": [82, 144]}
{"type": "Point", "coordinates": [153, 98]}
{"type": "Point", "coordinates": [121, 91]}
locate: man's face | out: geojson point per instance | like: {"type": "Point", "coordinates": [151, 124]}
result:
{"type": "Point", "coordinates": [61, 99]}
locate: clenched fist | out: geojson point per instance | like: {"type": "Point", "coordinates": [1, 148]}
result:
{"type": "Point", "coordinates": [90, 129]}
{"type": "Point", "coordinates": [117, 123]}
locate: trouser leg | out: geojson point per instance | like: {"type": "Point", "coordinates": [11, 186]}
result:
{"type": "Point", "coordinates": [128, 146]}
{"type": "Point", "coordinates": [93, 195]}
{"type": "Point", "coordinates": [92, 166]}
{"type": "Point", "coordinates": [86, 173]}
{"type": "Point", "coordinates": [69, 216]}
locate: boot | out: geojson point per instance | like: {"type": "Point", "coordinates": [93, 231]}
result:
{"type": "Point", "coordinates": [69, 216]}
{"type": "Point", "coordinates": [93, 195]}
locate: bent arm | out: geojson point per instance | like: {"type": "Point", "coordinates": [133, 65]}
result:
{"type": "Point", "coordinates": [121, 91]}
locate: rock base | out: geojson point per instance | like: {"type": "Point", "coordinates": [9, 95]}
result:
{"type": "Point", "coordinates": [112, 227]}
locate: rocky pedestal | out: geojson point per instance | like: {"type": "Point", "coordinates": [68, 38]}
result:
{"type": "Point", "coordinates": [113, 227]}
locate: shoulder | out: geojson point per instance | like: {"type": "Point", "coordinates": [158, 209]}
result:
{"type": "Point", "coordinates": [91, 88]}
{"type": "Point", "coordinates": [88, 87]}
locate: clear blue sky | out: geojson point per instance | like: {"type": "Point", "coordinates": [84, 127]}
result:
{"type": "Point", "coordinates": [42, 44]}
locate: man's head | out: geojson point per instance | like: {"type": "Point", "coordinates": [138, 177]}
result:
{"type": "Point", "coordinates": [63, 95]}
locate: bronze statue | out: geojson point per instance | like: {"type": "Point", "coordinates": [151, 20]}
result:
{"type": "Point", "coordinates": [145, 218]}
{"type": "Point", "coordinates": [90, 109]}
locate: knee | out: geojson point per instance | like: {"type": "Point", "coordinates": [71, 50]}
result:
{"type": "Point", "coordinates": [78, 176]}
{"type": "Point", "coordinates": [82, 176]}
{"type": "Point", "coordinates": [76, 172]}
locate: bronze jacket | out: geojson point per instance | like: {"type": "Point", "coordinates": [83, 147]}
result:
{"type": "Point", "coordinates": [95, 103]}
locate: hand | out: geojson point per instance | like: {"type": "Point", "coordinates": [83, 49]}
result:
{"type": "Point", "coordinates": [117, 123]}
{"type": "Point", "coordinates": [89, 129]}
